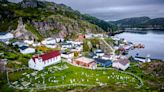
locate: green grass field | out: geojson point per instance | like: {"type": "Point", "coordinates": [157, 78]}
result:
{"type": "Point", "coordinates": [63, 74]}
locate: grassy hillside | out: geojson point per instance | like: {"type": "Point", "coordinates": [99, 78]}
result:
{"type": "Point", "coordinates": [38, 11]}
{"type": "Point", "coordinates": [140, 22]}
{"type": "Point", "coordinates": [33, 30]}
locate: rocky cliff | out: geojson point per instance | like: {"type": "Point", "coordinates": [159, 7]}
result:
{"type": "Point", "coordinates": [22, 33]}
{"type": "Point", "coordinates": [40, 19]}
{"type": "Point", "coordinates": [58, 25]}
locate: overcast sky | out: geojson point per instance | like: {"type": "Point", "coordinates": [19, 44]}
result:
{"type": "Point", "coordinates": [116, 9]}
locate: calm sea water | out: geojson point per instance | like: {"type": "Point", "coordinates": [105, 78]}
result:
{"type": "Point", "coordinates": [153, 41]}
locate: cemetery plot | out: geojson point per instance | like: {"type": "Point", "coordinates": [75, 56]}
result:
{"type": "Point", "coordinates": [64, 74]}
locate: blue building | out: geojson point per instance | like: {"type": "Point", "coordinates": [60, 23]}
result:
{"type": "Point", "coordinates": [103, 63]}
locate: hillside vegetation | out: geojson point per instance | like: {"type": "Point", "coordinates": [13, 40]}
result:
{"type": "Point", "coordinates": [140, 22]}
{"type": "Point", "coordinates": [49, 19]}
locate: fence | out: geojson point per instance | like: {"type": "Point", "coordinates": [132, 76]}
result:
{"type": "Point", "coordinates": [69, 85]}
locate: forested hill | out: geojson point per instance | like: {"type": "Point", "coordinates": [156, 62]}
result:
{"type": "Point", "coordinates": [140, 22]}
{"type": "Point", "coordinates": [47, 18]}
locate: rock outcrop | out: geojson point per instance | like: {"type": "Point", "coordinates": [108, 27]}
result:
{"type": "Point", "coordinates": [21, 32]}
{"type": "Point", "coordinates": [41, 19]}
{"type": "Point", "coordinates": [60, 26]}
{"type": "Point", "coordinates": [29, 3]}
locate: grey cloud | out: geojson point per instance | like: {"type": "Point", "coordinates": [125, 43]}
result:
{"type": "Point", "coordinates": [116, 9]}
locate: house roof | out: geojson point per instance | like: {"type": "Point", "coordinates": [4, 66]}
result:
{"type": "Point", "coordinates": [3, 33]}
{"type": "Point", "coordinates": [85, 60]}
{"type": "Point", "coordinates": [66, 44]}
{"type": "Point", "coordinates": [23, 47]}
{"type": "Point", "coordinates": [67, 53]}
{"type": "Point", "coordinates": [20, 44]}
{"type": "Point", "coordinates": [98, 51]}
{"type": "Point", "coordinates": [47, 56]}
{"type": "Point", "coordinates": [102, 61]}
{"type": "Point", "coordinates": [123, 61]}
{"type": "Point", "coordinates": [108, 56]}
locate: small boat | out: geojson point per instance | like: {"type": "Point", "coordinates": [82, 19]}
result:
{"type": "Point", "coordinates": [139, 46]}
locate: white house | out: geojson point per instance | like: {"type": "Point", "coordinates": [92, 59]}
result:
{"type": "Point", "coordinates": [26, 50]}
{"type": "Point", "coordinates": [49, 41]}
{"type": "Point", "coordinates": [68, 55]}
{"type": "Point", "coordinates": [69, 41]}
{"type": "Point", "coordinates": [66, 46]}
{"type": "Point", "coordinates": [122, 64]}
{"type": "Point", "coordinates": [59, 40]}
{"type": "Point", "coordinates": [36, 44]}
{"type": "Point", "coordinates": [88, 36]}
{"type": "Point", "coordinates": [41, 61]}
{"type": "Point", "coordinates": [98, 35]}
{"type": "Point", "coordinates": [78, 48]}
{"type": "Point", "coordinates": [144, 60]}
{"type": "Point", "coordinates": [107, 57]}
{"type": "Point", "coordinates": [99, 52]}
{"type": "Point", "coordinates": [6, 36]}
{"type": "Point", "coordinates": [29, 42]}
{"type": "Point", "coordinates": [19, 44]}
{"type": "Point", "coordinates": [73, 46]}
{"type": "Point", "coordinates": [51, 46]}
{"type": "Point", "coordinates": [76, 43]}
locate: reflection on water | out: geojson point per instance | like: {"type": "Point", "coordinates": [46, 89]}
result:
{"type": "Point", "coordinates": [138, 32]}
{"type": "Point", "coordinates": [153, 41]}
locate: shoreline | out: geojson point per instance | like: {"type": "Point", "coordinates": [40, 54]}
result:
{"type": "Point", "coordinates": [117, 32]}
{"type": "Point", "coordinates": [142, 29]}
{"type": "Point", "coordinates": [141, 32]}
{"type": "Point", "coordinates": [134, 30]}
{"type": "Point", "coordinates": [152, 59]}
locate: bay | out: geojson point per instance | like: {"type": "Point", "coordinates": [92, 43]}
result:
{"type": "Point", "coordinates": [153, 41]}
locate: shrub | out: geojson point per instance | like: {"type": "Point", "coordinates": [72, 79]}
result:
{"type": "Point", "coordinates": [85, 46]}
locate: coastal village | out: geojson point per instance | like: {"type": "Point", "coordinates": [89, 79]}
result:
{"type": "Point", "coordinates": [68, 53]}
{"type": "Point", "coordinates": [81, 46]}
{"type": "Point", "coordinates": [72, 52]}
